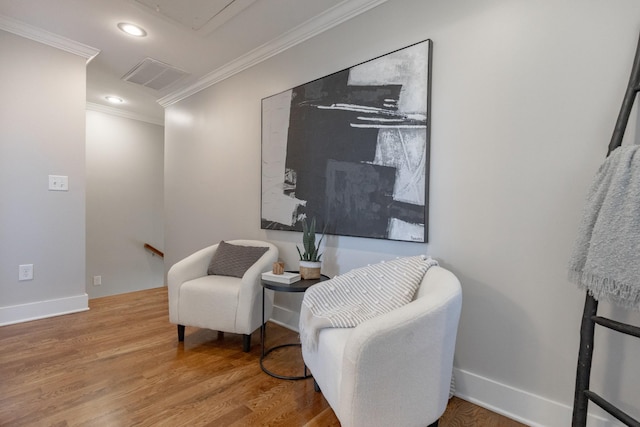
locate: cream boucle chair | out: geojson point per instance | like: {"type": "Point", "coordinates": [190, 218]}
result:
{"type": "Point", "coordinates": [394, 369]}
{"type": "Point", "coordinates": [220, 302]}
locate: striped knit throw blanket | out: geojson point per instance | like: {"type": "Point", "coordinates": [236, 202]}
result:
{"type": "Point", "coordinates": [606, 256]}
{"type": "Point", "coordinates": [361, 294]}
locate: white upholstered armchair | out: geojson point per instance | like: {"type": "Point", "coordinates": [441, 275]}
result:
{"type": "Point", "coordinates": [394, 369]}
{"type": "Point", "coordinates": [219, 288]}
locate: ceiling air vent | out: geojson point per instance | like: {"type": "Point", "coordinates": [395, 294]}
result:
{"type": "Point", "coordinates": [154, 74]}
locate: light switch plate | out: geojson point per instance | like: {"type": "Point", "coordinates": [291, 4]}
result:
{"type": "Point", "coordinates": [58, 183]}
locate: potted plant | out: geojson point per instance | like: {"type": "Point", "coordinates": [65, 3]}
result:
{"type": "Point", "coordinates": [310, 259]}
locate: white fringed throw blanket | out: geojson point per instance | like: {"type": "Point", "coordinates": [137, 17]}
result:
{"type": "Point", "coordinates": [361, 294]}
{"type": "Point", "coordinates": [606, 256]}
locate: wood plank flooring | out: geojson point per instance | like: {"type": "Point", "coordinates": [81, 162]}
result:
{"type": "Point", "coordinates": [120, 364]}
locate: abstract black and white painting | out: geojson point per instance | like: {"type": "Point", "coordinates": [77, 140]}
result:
{"type": "Point", "coordinates": [352, 150]}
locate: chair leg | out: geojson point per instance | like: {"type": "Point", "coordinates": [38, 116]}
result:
{"type": "Point", "coordinates": [246, 343]}
{"type": "Point", "coordinates": [316, 387]}
{"type": "Point", "coordinates": [180, 333]}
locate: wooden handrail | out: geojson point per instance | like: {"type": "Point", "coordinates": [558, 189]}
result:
{"type": "Point", "coordinates": [154, 250]}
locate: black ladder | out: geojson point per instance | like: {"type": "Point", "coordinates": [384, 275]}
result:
{"type": "Point", "coordinates": [589, 317]}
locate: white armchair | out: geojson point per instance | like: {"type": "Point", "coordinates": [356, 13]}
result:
{"type": "Point", "coordinates": [394, 369]}
{"type": "Point", "coordinates": [220, 302]}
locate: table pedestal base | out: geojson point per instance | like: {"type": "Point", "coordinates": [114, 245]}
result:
{"type": "Point", "coordinates": [306, 374]}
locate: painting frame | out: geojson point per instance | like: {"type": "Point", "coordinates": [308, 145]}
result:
{"type": "Point", "coordinates": [352, 149]}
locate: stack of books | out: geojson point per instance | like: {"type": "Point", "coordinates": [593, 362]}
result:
{"type": "Point", "coordinates": [285, 277]}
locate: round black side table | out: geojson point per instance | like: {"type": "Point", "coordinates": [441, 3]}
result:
{"type": "Point", "coordinates": [299, 286]}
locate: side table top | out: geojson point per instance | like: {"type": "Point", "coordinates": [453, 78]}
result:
{"type": "Point", "coordinates": [299, 286]}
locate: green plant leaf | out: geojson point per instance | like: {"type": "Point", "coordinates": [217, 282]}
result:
{"type": "Point", "coordinates": [309, 241]}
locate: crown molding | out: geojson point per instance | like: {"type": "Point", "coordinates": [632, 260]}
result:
{"type": "Point", "coordinates": [39, 35]}
{"type": "Point", "coordinates": [330, 18]}
{"type": "Point", "coordinates": [124, 113]}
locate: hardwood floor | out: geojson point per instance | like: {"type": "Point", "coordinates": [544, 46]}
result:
{"type": "Point", "coordinates": [120, 364]}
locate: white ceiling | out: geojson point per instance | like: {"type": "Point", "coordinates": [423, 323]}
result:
{"type": "Point", "coordinates": [208, 39]}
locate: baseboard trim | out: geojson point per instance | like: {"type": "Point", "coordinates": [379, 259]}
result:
{"type": "Point", "coordinates": [43, 309]}
{"type": "Point", "coordinates": [519, 405]}
{"type": "Point", "coordinates": [285, 317]}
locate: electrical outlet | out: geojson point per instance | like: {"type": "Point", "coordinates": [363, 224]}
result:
{"type": "Point", "coordinates": [97, 280]}
{"type": "Point", "coordinates": [58, 183]}
{"type": "Point", "coordinates": [25, 272]}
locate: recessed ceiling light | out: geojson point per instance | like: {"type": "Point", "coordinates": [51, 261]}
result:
{"type": "Point", "coordinates": [114, 99]}
{"type": "Point", "coordinates": [132, 29]}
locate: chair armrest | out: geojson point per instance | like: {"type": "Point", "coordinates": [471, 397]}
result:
{"type": "Point", "coordinates": [397, 367]}
{"type": "Point", "coordinates": [250, 299]}
{"type": "Point", "coordinates": [189, 268]}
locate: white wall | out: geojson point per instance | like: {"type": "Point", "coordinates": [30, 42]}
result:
{"type": "Point", "coordinates": [42, 132]}
{"type": "Point", "coordinates": [125, 165]}
{"type": "Point", "coordinates": [525, 96]}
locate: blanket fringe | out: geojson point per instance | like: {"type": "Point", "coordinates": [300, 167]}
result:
{"type": "Point", "coordinates": [607, 289]}
{"type": "Point", "coordinates": [308, 340]}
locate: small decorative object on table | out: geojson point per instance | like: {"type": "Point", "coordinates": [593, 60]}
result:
{"type": "Point", "coordinates": [278, 267]}
{"type": "Point", "coordinates": [310, 263]}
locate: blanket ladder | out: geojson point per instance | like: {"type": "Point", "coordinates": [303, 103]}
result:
{"type": "Point", "coordinates": [589, 317]}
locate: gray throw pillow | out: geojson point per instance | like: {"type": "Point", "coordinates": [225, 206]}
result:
{"type": "Point", "coordinates": [234, 260]}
